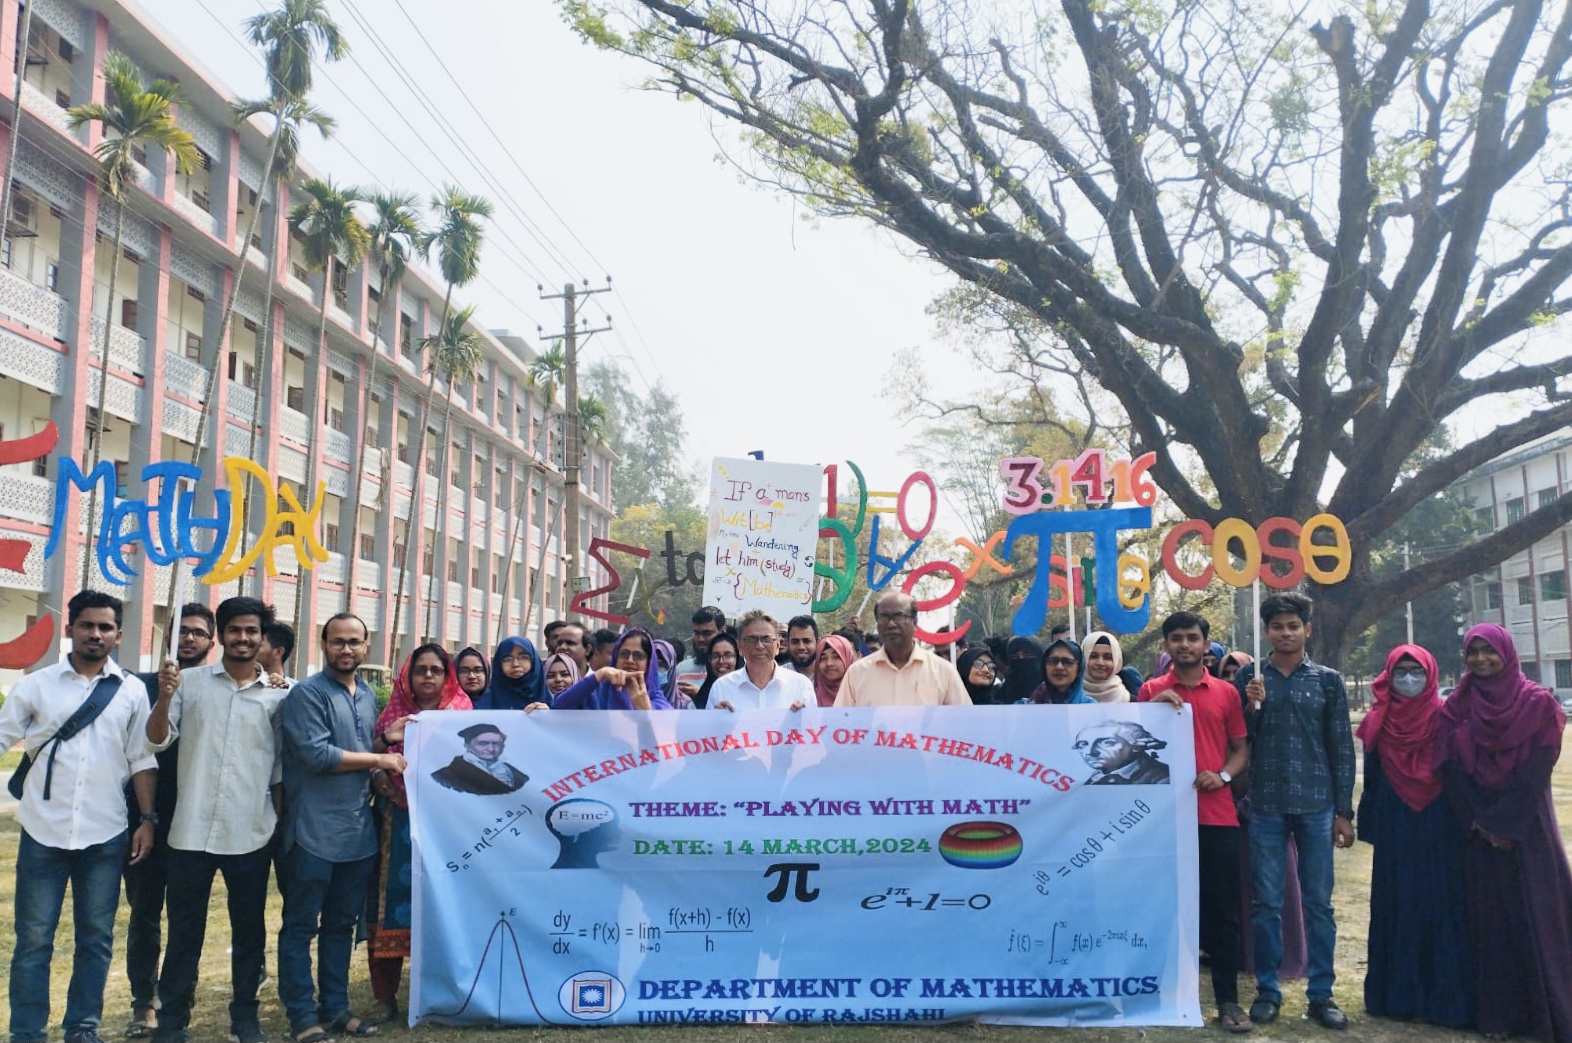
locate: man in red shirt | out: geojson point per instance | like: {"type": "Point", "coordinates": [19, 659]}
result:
{"type": "Point", "coordinates": [1221, 751]}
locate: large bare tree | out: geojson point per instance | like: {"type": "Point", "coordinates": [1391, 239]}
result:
{"type": "Point", "coordinates": [1290, 251]}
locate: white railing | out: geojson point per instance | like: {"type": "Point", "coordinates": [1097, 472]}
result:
{"type": "Point", "coordinates": [455, 593]}
{"type": "Point", "coordinates": [300, 287]}
{"type": "Point", "coordinates": [26, 497]}
{"type": "Point", "coordinates": [295, 426]}
{"type": "Point", "coordinates": [31, 362]}
{"type": "Point", "coordinates": [44, 107]}
{"type": "Point", "coordinates": [256, 257]}
{"type": "Point", "coordinates": [188, 207]}
{"type": "Point", "coordinates": [338, 445]}
{"type": "Point", "coordinates": [125, 346]}
{"type": "Point", "coordinates": [292, 464]}
{"type": "Point", "coordinates": [368, 575]}
{"type": "Point", "coordinates": [31, 305]}
{"type": "Point", "coordinates": [343, 316]}
{"type": "Point", "coordinates": [144, 177]}
{"type": "Point", "coordinates": [185, 378]}
{"type": "Point", "coordinates": [242, 400]}
{"type": "Point", "coordinates": [331, 570]}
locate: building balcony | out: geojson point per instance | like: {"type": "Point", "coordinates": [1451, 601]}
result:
{"type": "Point", "coordinates": [331, 570]}
{"type": "Point", "coordinates": [295, 426]}
{"type": "Point", "coordinates": [185, 378]}
{"type": "Point", "coordinates": [337, 445]}
{"type": "Point", "coordinates": [368, 575]}
{"type": "Point", "coordinates": [127, 349]}
{"type": "Point", "coordinates": [292, 464]}
{"type": "Point", "coordinates": [26, 497]}
{"type": "Point", "coordinates": [242, 402]}
{"type": "Point", "coordinates": [44, 107]}
{"type": "Point", "coordinates": [300, 288]}
{"type": "Point", "coordinates": [192, 211]}
{"type": "Point", "coordinates": [31, 363]}
{"type": "Point", "coordinates": [32, 306]}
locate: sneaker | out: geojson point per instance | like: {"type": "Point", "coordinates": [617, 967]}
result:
{"type": "Point", "coordinates": [1326, 1014]}
{"type": "Point", "coordinates": [247, 1034]}
{"type": "Point", "coordinates": [84, 1036]}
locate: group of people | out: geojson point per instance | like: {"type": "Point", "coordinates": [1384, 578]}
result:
{"type": "Point", "coordinates": [1471, 898]}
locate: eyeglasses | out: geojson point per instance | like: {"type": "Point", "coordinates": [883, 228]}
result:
{"type": "Point", "coordinates": [516, 660]}
{"type": "Point", "coordinates": [472, 671]}
{"type": "Point", "coordinates": [758, 641]}
{"type": "Point", "coordinates": [195, 632]}
{"type": "Point", "coordinates": [633, 655]}
{"type": "Point", "coordinates": [344, 644]}
{"type": "Point", "coordinates": [1062, 661]}
{"type": "Point", "coordinates": [983, 664]}
{"type": "Point", "coordinates": [893, 617]}
{"type": "Point", "coordinates": [428, 671]}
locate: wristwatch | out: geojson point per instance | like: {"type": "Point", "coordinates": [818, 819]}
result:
{"type": "Point", "coordinates": [1226, 776]}
{"type": "Point", "coordinates": [150, 816]}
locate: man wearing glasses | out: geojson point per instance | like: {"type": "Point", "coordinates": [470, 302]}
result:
{"type": "Point", "coordinates": [901, 672]}
{"type": "Point", "coordinates": [329, 842]}
{"type": "Point", "coordinates": [146, 880]}
{"type": "Point", "coordinates": [762, 683]}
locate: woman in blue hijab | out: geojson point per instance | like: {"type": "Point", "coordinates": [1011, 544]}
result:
{"type": "Point", "coordinates": [1062, 669]}
{"type": "Point", "coordinates": [517, 679]}
{"type": "Point", "coordinates": [631, 682]}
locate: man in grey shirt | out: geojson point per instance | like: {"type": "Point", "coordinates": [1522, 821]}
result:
{"type": "Point", "coordinates": [329, 842]}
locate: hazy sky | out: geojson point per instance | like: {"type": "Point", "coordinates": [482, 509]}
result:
{"type": "Point", "coordinates": [776, 333]}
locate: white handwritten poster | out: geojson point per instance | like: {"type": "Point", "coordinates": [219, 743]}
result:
{"type": "Point", "coordinates": [763, 527]}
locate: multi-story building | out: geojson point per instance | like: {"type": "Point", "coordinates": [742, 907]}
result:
{"type": "Point", "coordinates": [346, 416]}
{"type": "Point", "coordinates": [1528, 593]}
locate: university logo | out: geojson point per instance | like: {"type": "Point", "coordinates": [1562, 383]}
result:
{"type": "Point", "coordinates": [592, 995]}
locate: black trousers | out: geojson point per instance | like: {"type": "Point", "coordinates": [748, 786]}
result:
{"type": "Point", "coordinates": [190, 887]}
{"type": "Point", "coordinates": [1219, 858]}
{"type": "Point", "coordinates": [144, 884]}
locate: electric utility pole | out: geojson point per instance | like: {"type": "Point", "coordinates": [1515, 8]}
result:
{"type": "Point", "coordinates": [573, 450]}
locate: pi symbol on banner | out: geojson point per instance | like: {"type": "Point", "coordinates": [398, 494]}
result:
{"type": "Point", "coordinates": [789, 871]}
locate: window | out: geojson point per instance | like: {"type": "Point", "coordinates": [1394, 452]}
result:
{"type": "Point", "coordinates": [1564, 673]}
{"type": "Point", "coordinates": [41, 467]}
{"type": "Point", "coordinates": [1493, 593]}
{"type": "Point", "coordinates": [201, 200]}
{"type": "Point", "coordinates": [128, 314]}
{"type": "Point", "coordinates": [139, 154]}
{"type": "Point", "coordinates": [295, 398]}
{"type": "Point", "coordinates": [330, 536]}
{"type": "Point", "coordinates": [1544, 498]}
{"type": "Point", "coordinates": [5, 252]}
{"type": "Point", "coordinates": [248, 375]}
{"type": "Point", "coordinates": [1515, 510]}
{"type": "Point", "coordinates": [368, 547]}
{"type": "Point", "coordinates": [474, 576]}
{"type": "Point", "coordinates": [335, 418]}
{"type": "Point", "coordinates": [193, 346]}
{"type": "Point", "coordinates": [403, 452]}
{"type": "Point", "coordinates": [453, 570]}
{"type": "Point", "coordinates": [1553, 586]}
{"type": "Point", "coordinates": [299, 272]}
{"type": "Point", "coordinates": [1485, 517]}
{"type": "Point", "coordinates": [51, 274]}
{"type": "Point", "coordinates": [65, 50]}
{"type": "Point", "coordinates": [195, 294]}
{"type": "Point", "coordinates": [455, 469]}
{"type": "Point", "coordinates": [1525, 590]}
{"type": "Point", "coordinates": [496, 580]}
{"type": "Point", "coordinates": [406, 340]}
{"type": "Point", "coordinates": [62, 99]}
{"type": "Point", "coordinates": [431, 459]}
{"type": "Point", "coordinates": [398, 555]}
{"type": "Point", "coordinates": [499, 490]}
{"type": "Point", "coordinates": [1531, 669]}
{"type": "Point", "coordinates": [428, 561]}
{"type": "Point", "coordinates": [341, 284]}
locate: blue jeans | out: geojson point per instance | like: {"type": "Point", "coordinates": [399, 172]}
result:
{"type": "Point", "coordinates": [1312, 831]}
{"type": "Point", "coordinates": [322, 901]}
{"type": "Point", "coordinates": [41, 877]}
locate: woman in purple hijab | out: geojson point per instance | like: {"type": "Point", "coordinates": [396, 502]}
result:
{"type": "Point", "coordinates": [631, 682]}
{"type": "Point", "coordinates": [1498, 741]}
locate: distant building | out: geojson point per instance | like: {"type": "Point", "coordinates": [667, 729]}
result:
{"type": "Point", "coordinates": [322, 416]}
{"type": "Point", "coordinates": [1528, 592]}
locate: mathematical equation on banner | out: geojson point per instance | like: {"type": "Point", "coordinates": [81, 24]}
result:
{"type": "Point", "coordinates": [646, 937]}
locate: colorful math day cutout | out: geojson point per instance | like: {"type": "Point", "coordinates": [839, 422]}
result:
{"type": "Point", "coordinates": [1280, 551]}
{"type": "Point", "coordinates": [165, 529]}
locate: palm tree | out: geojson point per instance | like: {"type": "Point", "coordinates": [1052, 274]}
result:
{"type": "Point", "coordinates": [290, 117]}
{"type": "Point", "coordinates": [457, 352]}
{"type": "Point", "coordinates": [457, 238]}
{"type": "Point", "coordinates": [135, 118]}
{"type": "Point", "coordinates": [548, 371]}
{"type": "Point", "coordinates": [594, 419]}
{"type": "Point", "coordinates": [396, 239]}
{"type": "Point", "coordinates": [331, 234]}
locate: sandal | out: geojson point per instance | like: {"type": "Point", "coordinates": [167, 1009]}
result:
{"type": "Point", "coordinates": [1233, 1018]}
{"type": "Point", "coordinates": [144, 1026]}
{"type": "Point", "coordinates": [383, 1010]}
{"type": "Point", "coordinates": [362, 1029]}
{"type": "Point", "coordinates": [315, 1034]}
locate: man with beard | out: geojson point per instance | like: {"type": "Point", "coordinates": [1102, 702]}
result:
{"type": "Point", "coordinates": [802, 644]}
{"type": "Point", "coordinates": [329, 843]}
{"type": "Point", "coordinates": [901, 672]}
{"type": "Point", "coordinates": [73, 814]}
{"type": "Point", "coordinates": [230, 773]}
{"type": "Point", "coordinates": [146, 881]}
{"type": "Point", "coordinates": [707, 622]}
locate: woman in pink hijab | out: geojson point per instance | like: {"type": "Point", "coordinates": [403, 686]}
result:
{"type": "Point", "coordinates": [832, 657]}
{"type": "Point", "coordinates": [1417, 904]}
{"type": "Point", "coordinates": [1497, 742]}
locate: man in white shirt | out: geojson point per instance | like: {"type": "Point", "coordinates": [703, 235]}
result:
{"type": "Point", "coordinates": [73, 817]}
{"type": "Point", "coordinates": [231, 766]}
{"type": "Point", "coordinates": [761, 683]}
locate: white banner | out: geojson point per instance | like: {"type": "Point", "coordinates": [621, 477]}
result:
{"type": "Point", "coordinates": [1019, 865]}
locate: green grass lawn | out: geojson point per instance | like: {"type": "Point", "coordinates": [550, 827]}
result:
{"type": "Point", "coordinates": [210, 1023]}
